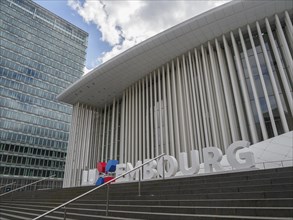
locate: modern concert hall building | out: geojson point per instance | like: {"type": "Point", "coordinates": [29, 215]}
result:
{"type": "Point", "coordinates": [222, 76]}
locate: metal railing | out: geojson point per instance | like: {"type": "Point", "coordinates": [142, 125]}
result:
{"type": "Point", "coordinates": [108, 188]}
{"type": "Point", "coordinates": [274, 164]}
{"type": "Point", "coordinates": [1, 187]}
{"type": "Point", "coordinates": [264, 164]}
{"type": "Point", "coordinates": [11, 191]}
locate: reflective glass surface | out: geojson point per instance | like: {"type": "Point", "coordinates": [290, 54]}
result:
{"type": "Point", "coordinates": [40, 56]}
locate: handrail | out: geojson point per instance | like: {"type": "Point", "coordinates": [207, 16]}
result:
{"type": "Point", "coordinates": [27, 185]}
{"type": "Point", "coordinates": [266, 162]}
{"type": "Point", "coordinates": [7, 185]}
{"type": "Point", "coordinates": [94, 189]}
{"type": "Point", "coordinates": [273, 161]}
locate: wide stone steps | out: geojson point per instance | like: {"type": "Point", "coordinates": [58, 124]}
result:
{"type": "Point", "coordinates": [217, 180]}
{"type": "Point", "coordinates": [268, 202]}
{"type": "Point", "coordinates": [87, 208]}
{"type": "Point", "coordinates": [257, 194]}
{"type": "Point", "coordinates": [136, 211]}
{"type": "Point", "coordinates": [15, 213]}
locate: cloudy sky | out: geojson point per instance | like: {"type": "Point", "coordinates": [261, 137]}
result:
{"type": "Point", "coordinates": [115, 26]}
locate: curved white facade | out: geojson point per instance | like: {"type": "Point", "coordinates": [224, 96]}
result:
{"type": "Point", "coordinates": [235, 86]}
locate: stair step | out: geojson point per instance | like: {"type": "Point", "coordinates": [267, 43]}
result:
{"type": "Point", "coordinates": [24, 215]}
{"type": "Point", "coordinates": [53, 215]}
{"type": "Point", "coordinates": [8, 215]}
{"type": "Point", "coordinates": [143, 215]}
{"type": "Point", "coordinates": [220, 210]}
{"type": "Point", "coordinates": [209, 202]}
{"type": "Point", "coordinates": [176, 216]}
{"type": "Point", "coordinates": [280, 202]}
{"type": "Point", "coordinates": [11, 216]}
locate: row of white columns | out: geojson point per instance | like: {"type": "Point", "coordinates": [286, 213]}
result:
{"type": "Point", "coordinates": [202, 98]}
{"type": "Point", "coordinates": [109, 132]}
{"type": "Point", "coordinates": [196, 100]}
{"type": "Point", "coordinates": [82, 152]}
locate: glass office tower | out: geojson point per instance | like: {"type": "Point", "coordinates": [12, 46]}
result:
{"type": "Point", "coordinates": [40, 55]}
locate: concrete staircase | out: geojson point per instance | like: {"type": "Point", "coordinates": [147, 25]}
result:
{"type": "Point", "coordinates": [257, 194]}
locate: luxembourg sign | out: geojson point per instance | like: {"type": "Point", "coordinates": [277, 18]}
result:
{"type": "Point", "coordinates": [212, 157]}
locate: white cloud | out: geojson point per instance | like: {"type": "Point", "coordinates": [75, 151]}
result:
{"type": "Point", "coordinates": [86, 70]}
{"type": "Point", "coordinates": [123, 24]}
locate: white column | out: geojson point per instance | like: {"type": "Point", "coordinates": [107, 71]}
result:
{"type": "Point", "coordinates": [228, 94]}
{"type": "Point", "coordinates": [117, 131]}
{"type": "Point", "coordinates": [76, 147]}
{"type": "Point", "coordinates": [280, 67]}
{"type": "Point", "coordinates": [148, 155]}
{"type": "Point", "coordinates": [253, 87]}
{"type": "Point", "coordinates": [70, 148]}
{"type": "Point", "coordinates": [289, 23]}
{"type": "Point", "coordinates": [236, 92]}
{"type": "Point", "coordinates": [170, 112]}
{"type": "Point", "coordinates": [197, 77]}
{"type": "Point", "coordinates": [152, 117]}
{"type": "Point", "coordinates": [92, 146]}
{"type": "Point", "coordinates": [284, 47]}
{"type": "Point", "coordinates": [76, 168]}
{"type": "Point", "coordinates": [174, 101]}
{"type": "Point", "coordinates": [87, 138]}
{"type": "Point", "coordinates": [132, 124]}
{"type": "Point", "coordinates": [189, 119]}
{"type": "Point", "coordinates": [165, 112]}
{"type": "Point", "coordinates": [130, 119]}
{"type": "Point", "coordinates": [103, 158]}
{"type": "Point", "coordinates": [139, 147]}
{"type": "Point", "coordinates": [210, 100]}
{"type": "Point", "coordinates": [122, 126]}
{"type": "Point", "coordinates": [144, 134]}
{"type": "Point", "coordinates": [273, 80]}
{"type": "Point", "coordinates": [136, 147]}
{"type": "Point", "coordinates": [219, 99]}
{"type": "Point", "coordinates": [203, 112]}
{"type": "Point", "coordinates": [195, 101]}
{"type": "Point", "coordinates": [99, 158]}
{"type": "Point", "coordinates": [82, 161]}
{"type": "Point", "coordinates": [156, 115]}
{"type": "Point", "coordinates": [182, 125]}
{"type": "Point", "coordinates": [160, 113]}
{"type": "Point", "coordinates": [128, 126]}
{"type": "Point", "coordinates": [111, 156]}
{"type": "Point", "coordinates": [247, 104]}
{"type": "Point", "coordinates": [96, 137]}
{"type": "Point", "coordinates": [107, 134]}
{"type": "Point", "coordinates": [289, 30]}
{"type": "Point", "coordinates": [262, 82]}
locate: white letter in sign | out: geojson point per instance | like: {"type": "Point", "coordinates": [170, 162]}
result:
{"type": "Point", "coordinates": [120, 169]}
{"type": "Point", "coordinates": [183, 163]}
{"type": "Point", "coordinates": [171, 163]}
{"type": "Point", "coordinates": [149, 170]}
{"type": "Point", "coordinates": [248, 157]}
{"type": "Point", "coordinates": [135, 174]}
{"type": "Point", "coordinates": [93, 176]}
{"type": "Point", "coordinates": [84, 177]}
{"type": "Point", "coordinates": [212, 158]}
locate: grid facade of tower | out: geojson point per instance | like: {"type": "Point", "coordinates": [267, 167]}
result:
{"type": "Point", "coordinates": [41, 54]}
